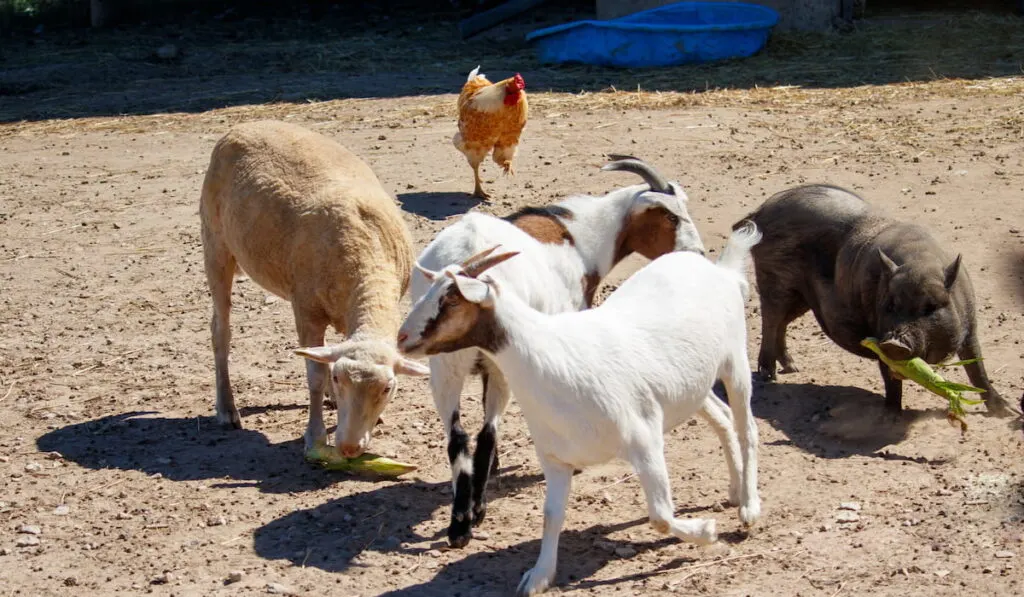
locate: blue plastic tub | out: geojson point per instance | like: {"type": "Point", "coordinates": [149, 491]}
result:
{"type": "Point", "coordinates": [685, 32]}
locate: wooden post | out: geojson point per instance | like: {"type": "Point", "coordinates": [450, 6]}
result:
{"type": "Point", "coordinates": [489, 18]}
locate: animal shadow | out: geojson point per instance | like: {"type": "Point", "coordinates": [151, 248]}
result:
{"type": "Point", "coordinates": [834, 421]}
{"type": "Point", "coordinates": [332, 536]}
{"type": "Point", "coordinates": [188, 450]}
{"type": "Point", "coordinates": [336, 537]}
{"type": "Point", "coordinates": [438, 206]}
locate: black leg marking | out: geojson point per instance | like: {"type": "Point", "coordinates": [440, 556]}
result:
{"type": "Point", "coordinates": [482, 460]}
{"type": "Point", "coordinates": [458, 455]}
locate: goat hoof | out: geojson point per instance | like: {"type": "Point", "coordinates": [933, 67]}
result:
{"type": "Point", "coordinates": [458, 541]}
{"type": "Point", "coordinates": [479, 513]}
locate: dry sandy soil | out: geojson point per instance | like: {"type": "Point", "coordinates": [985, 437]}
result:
{"type": "Point", "coordinates": [115, 479]}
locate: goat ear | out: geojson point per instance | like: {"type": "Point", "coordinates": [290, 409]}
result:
{"type": "Point", "coordinates": [405, 366]}
{"type": "Point", "coordinates": [951, 272]}
{"type": "Point", "coordinates": [473, 290]}
{"type": "Point", "coordinates": [890, 265]}
{"type": "Point", "coordinates": [429, 275]}
{"type": "Point", "coordinates": [320, 354]}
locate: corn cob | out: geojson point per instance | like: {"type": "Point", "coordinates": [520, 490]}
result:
{"type": "Point", "coordinates": [918, 371]}
{"type": "Point", "coordinates": [329, 458]}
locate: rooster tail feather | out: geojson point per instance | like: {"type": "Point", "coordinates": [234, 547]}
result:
{"type": "Point", "coordinates": [473, 73]}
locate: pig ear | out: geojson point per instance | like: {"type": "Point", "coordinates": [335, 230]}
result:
{"type": "Point", "coordinates": [951, 272]}
{"type": "Point", "coordinates": [889, 264]}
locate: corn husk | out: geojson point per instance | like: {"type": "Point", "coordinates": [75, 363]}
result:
{"type": "Point", "coordinates": [328, 457]}
{"type": "Point", "coordinates": [919, 372]}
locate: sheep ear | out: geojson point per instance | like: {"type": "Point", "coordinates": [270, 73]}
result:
{"type": "Point", "coordinates": [889, 264]}
{"type": "Point", "coordinates": [320, 354]}
{"type": "Point", "coordinates": [473, 290]}
{"type": "Point", "coordinates": [405, 366]}
{"type": "Point", "coordinates": [951, 272]}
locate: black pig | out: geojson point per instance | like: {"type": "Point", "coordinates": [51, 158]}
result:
{"type": "Point", "coordinates": [862, 274]}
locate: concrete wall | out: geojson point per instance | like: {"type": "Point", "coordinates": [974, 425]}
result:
{"type": "Point", "coordinates": [805, 15]}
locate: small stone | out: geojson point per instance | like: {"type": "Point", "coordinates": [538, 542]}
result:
{"type": "Point", "coordinates": [1005, 555]}
{"type": "Point", "coordinates": [30, 529]}
{"type": "Point", "coordinates": [718, 507]}
{"type": "Point", "coordinates": [216, 521]}
{"type": "Point", "coordinates": [71, 581]}
{"type": "Point", "coordinates": [942, 573]}
{"type": "Point", "coordinates": [27, 541]}
{"type": "Point", "coordinates": [234, 576]}
{"type": "Point", "coordinates": [278, 589]}
{"type": "Point", "coordinates": [162, 579]}
{"type": "Point", "coordinates": [5, 551]}
{"type": "Point", "coordinates": [625, 551]}
{"type": "Point", "coordinates": [484, 535]}
{"type": "Point", "coordinates": [607, 546]}
{"type": "Point", "coordinates": [606, 498]}
{"type": "Point", "coordinates": [54, 456]}
{"type": "Point", "coordinates": [825, 528]}
{"type": "Point", "coordinates": [847, 516]}
{"type": "Point", "coordinates": [988, 570]}
{"type": "Point", "coordinates": [433, 553]}
{"type": "Point", "coordinates": [943, 492]}
{"type": "Point", "coordinates": [270, 300]}
{"type": "Point", "coordinates": [61, 510]}
{"type": "Point", "coordinates": [851, 506]}
{"type": "Point", "coordinates": [4, 459]}
{"type": "Point", "coordinates": [33, 467]}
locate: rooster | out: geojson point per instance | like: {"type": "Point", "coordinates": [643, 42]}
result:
{"type": "Point", "coordinates": [491, 116]}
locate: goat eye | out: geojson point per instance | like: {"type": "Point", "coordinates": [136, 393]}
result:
{"type": "Point", "coordinates": [673, 219]}
{"type": "Point", "coordinates": [335, 378]}
{"type": "Point", "coordinates": [929, 309]}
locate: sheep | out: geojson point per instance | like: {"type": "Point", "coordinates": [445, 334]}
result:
{"type": "Point", "coordinates": [308, 220]}
{"type": "Point", "coordinates": [608, 382]}
{"type": "Point", "coordinates": [566, 249]}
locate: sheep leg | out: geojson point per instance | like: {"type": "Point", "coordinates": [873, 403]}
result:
{"type": "Point", "coordinates": [220, 271]}
{"type": "Point", "coordinates": [558, 477]}
{"type": "Point", "coordinates": [738, 386]}
{"type": "Point", "coordinates": [648, 459]}
{"type": "Point", "coordinates": [485, 458]}
{"type": "Point", "coordinates": [448, 373]}
{"type": "Point", "coordinates": [311, 333]}
{"type": "Point", "coordinates": [719, 417]}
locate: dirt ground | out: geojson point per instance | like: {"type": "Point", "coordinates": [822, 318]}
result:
{"type": "Point", "coordinates": [115, 479]}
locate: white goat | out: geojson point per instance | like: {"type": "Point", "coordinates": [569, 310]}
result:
{"type": "Point", "coordinates": [608, 382]}
{"type": "Point", "coordinates": [565, 250]}
{"type": "Point", "coordinates": [309, 221]}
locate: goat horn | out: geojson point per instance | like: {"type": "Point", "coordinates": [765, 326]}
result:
{"type": "Point", "coordinates": [651, 176]}
{"type": "Point", "coordinates": [468, 262]}
{"type": "Point", "coordinates": [618, 157]}
{"type": "Point", "coordinates": [479, 267]}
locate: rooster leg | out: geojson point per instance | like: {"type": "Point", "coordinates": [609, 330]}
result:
{"type": "Point", "coordinates": [479, 190]}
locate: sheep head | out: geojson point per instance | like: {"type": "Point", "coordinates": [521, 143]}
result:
{"type": "Point", "coordinates": [363, 379]}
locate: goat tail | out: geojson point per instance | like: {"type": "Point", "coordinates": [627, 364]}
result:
{"type": "Point", "coordinates": [737, 250]}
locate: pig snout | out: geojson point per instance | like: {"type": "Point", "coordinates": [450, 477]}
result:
{"type": "Point", "coordinates": [896, 349]}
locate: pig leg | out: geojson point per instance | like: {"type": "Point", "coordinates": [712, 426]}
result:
{"type": "Point", "coordinates": [776, 315]}
{"type": "Point", "coordinates": [893, 389]}
{"type": "Point", "coordinates": [995, 403]}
